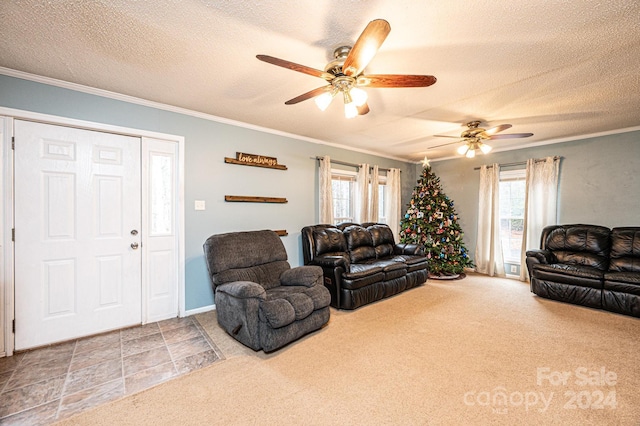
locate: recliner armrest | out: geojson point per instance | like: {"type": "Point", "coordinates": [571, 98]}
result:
{"type": "Point", "coordinates": [542, 256]}
{"type": "Point", "coordinates": [406, 248]}
{"type": "Point", "coordinates": [243, 290]}
{"type": "Point", "coordinates": [307, 276]}
{"type": "Point", "coordinates": [332, 261]}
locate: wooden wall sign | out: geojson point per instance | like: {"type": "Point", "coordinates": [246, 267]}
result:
{"type": "Point", "coordinates": [244, 159]}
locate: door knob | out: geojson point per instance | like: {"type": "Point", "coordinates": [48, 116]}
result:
{"type": "Point", "coordinates": [134, 246]}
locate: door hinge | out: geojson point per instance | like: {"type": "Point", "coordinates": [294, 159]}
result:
{"type": "Point", "coordinates": [13, 326]}
{"type": "Point", "coordinates": [13, 142]}
{"type": "Point", "coordinates": [13, 234]}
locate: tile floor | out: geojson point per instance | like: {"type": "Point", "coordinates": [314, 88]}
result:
{"type": "Point", "coordinates": [44, 385]}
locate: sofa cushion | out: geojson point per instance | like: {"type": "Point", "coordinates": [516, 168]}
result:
{"type": "Point", "coordinates": [394, 270]}
{"type": "Point", "coordinates": [306, 275]}
{"type": "Point", "coordinates": [414, 263]}
{"type": "Point", "coordinates": [359, 244]}
{"type": "Point", "coordinates": [329, 240]}
{"type": "Point", "coordinates": [577, 275]}
{"type": "Point", "coordinates": [587, 245]}
{"type": "Point", "coordinates": [318, 295]}
{"type": "Point", "coordinates": [625, 250]}
{"type": "Point", "coordinates": [301, 303]}
{"type": "Point", "coordinates": [284, 305]}
{"type": "Point", "coordinates": [623, 282]}
{"type": "Point", "coordinates": [352, 283]}
{"type": "Point", "coordinates": [230, 250]}
{"type": "Point", "coordinates": [359, 270]}
{"type": "Point", "coordinates": [277, 312]}
{"type": "Point", "coordinates": [382, 238]}
{"type": "Point", "coordinates": [267, 275]}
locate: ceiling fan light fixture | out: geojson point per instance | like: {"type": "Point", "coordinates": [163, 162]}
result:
{"type": "Point", "coordinates": [471, 153]}
{"type": "Point", "coordinates": [485, 148]}
{"type": "Point", "coordinates": [350, 110]}
{"type": "Point", "coordinates": [462, 150]}
{"type": "Point", "coordinates": [350, 107]}
{"type": "Point", "coordinates": [359, 96]}
{"type": "Point", "coordinates": [323, 101]}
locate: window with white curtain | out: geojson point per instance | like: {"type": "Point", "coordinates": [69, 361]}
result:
{"type": "Point", "coordinates": [512, 196]}
{"type": "Point", "coordinates": [343, 191]}
{"type": "Point", "coordinates": [343, 184]}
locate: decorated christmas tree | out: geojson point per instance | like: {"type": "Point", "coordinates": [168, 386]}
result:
{"type": "Point", "coordinates": [432, 221]}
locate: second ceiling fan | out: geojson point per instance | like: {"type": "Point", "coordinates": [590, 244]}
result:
{"type": "Point", "coordinates": [474, 138]}
{"type": "Point", "coordinates": [344, 75]}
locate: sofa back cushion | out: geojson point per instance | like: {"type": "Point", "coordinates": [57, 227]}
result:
{"type": "Point", "coordinates": [382, 238]}
{"type": "Point", "coordinates": [329, 240]}
{"type": "Point", "coordinates": [625, 250]}
{"type": "Point", "coordinates": [587, 245]}
{"type": "Point", "coordinates": [267, 274]}
{"type": "Point", "coordinates": [359, 244]}
{"type": "Point", "coordinates": [257, 256]}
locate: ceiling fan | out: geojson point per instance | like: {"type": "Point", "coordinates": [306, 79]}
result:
{"type": "Point", "coordinates": [344, 75]}
{"type": "Point", "coordinates": [474, 138]}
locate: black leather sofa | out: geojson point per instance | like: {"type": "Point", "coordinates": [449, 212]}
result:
{"type": "Point", "coordinates": [588, 265]}
{"type": "Point", "coordinates": [362, 263]}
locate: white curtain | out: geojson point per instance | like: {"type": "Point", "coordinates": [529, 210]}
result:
{"type": "Point", "coordinates": [362, 194]}
{"type": "Point", "coordinates": [326, 194]}
{"type": "Point", "coordinates": [488, 258]}
{"type": "Point", "coordinates": [540, 204]}
{"type": "Point", "coordinates": [374, 198]}
{"type": "Point", "coordinates": [393, 204]}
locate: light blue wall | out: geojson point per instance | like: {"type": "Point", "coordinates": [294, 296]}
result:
{"type": "Point", "coordinates": [599, 181]}
{"type": "Point", "coordinates": [207, 177]}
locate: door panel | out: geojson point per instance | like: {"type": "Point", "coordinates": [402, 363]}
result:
{"type": "Point", "coordinates": [77, 201]}
{"type": "Point", "coordinates": [161, 239]}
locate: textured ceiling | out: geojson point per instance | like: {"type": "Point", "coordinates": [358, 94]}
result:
{"type": "Point", "coordinates": [559, 69]}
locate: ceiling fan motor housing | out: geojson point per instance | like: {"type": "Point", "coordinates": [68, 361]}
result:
{"type": "Point", "coordinates": [474, 132]}
{"type": "Point", "coordinates": [340, 54]}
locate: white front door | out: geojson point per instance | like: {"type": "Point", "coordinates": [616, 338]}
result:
{"type": "Point", "coordinates": [77, 233]}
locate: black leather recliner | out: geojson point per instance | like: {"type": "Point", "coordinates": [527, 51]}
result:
{"type": "Point", "coordinates": [588, 265]}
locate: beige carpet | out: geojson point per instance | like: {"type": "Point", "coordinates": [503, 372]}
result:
{"type": "Point", "coordinates": [476, 351]}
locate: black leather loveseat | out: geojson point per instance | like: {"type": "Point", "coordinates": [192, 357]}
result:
{"type": "Point", "coordinates": [588, 265]}
{"type": "Point", "coordinates": [362, 263]}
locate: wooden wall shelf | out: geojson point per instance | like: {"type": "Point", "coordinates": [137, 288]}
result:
{"type": "Point", "coordinates": [246, 199]}
{"type": "Point", "coordinates": [242, 163]}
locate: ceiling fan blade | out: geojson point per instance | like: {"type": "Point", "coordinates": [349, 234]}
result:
{"type": "Point", "coordinates": [445, 144]}
{"type": "Point", "coordinates": [446, 136]}
{"type": "Point", "coordinates": [366, 47]}
{"type": "Point", "coordinates": [295, 67]}
{"type": "Point", "coordinates": [511, 135]}
{"type": "Point", "coordinates": [310, 94]}
{"type": "Point", "coordinates": [363, 109]}
{"type": "Point", "coordinates": [497, 129]}
{"type": "Point", "coordinates": [396, 80]}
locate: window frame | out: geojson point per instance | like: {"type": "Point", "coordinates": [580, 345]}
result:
{"type": "Point", "coordinates": [505, 177]}
{"type": "Point", "coordinates": [352, 177]}
{"type": "Point", "coordinates": [346, 175]}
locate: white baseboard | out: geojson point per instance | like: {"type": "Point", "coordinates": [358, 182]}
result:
{"type": "Point", "coordinates": [200, 310]}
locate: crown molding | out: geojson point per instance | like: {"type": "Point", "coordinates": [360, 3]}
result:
{"type": "Point", "coordinates": [184, 111]}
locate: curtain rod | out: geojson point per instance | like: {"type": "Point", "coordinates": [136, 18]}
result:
{"type": "Point", "coordinates": [343, 163]}
{"type": "Point", "coordinates": [519, 163]}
